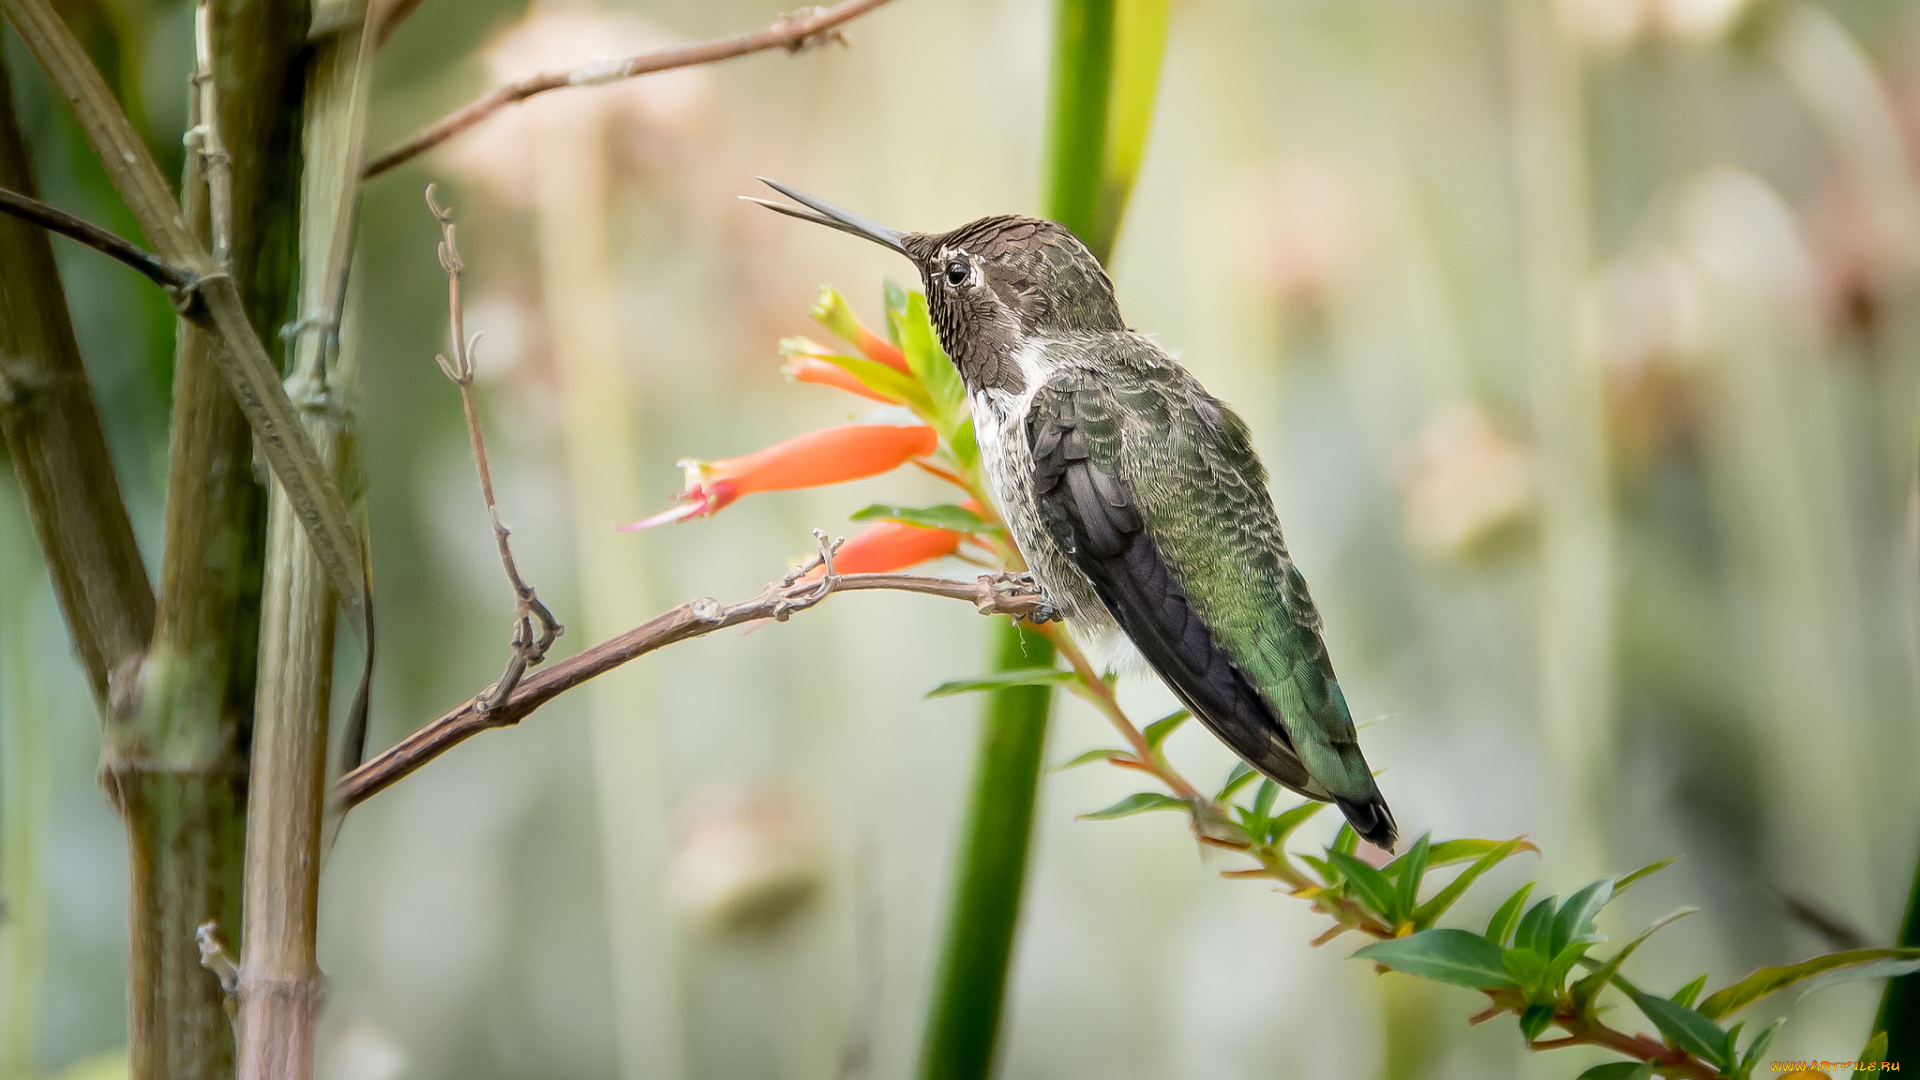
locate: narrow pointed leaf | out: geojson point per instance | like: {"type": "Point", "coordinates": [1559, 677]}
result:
{"type": "Point", "coordinates": [1158, 731]}
{"type": "Point", "coordinates": [1689, 993]}
{"type": "Point", "coordinates": [1648, 870]}
{"type": "Point", "coordinates": [1138, 803]}
{"type": "Point", "coordinates": [1278, 829]}
{"type": "Point", "coordinates": [1885, 963]}
{"type": "Point", "coordinates": [1369, 885]}
{"type": "Point", "coordinates": [1240, 777]}
{"type": "Point", "coordinates": [1536, 926]}
{"type": "Point", "coordinates": [1457, 957]}
{"type": "Point", "coordinates": [1263, 798]}
{"type": "Point", "coordinates": [1428, 913]}
{"type": "Point", "coordinates": [1448, 852]}
{"type": "Point", "coordinates": [1001, 680]}
{"type": "Point", "coordinates": [1686, 1029]}
{"type": "Point", "coordinates": [1574, 921]}
{"type": "Point", "coordinates": [951, 518]}
{"type": "Point", "coordinates": [1090, 756]}
{"type": "Point", "coordinates": [1765, 1039]}
{"type": "Point", "coordinates": [1590, 985]}
{"type": "Point", "coordinates": [1346, 841]}
{"type": "Point", "coordinates": [1504, 917]}
{"type": "Point", "coordinates": [1408, 871]}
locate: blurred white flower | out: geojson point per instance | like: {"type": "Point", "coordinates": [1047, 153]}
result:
{"type": "Point", "coordinates": [1468, 484]}
{"type": "Point", "coordinates": [1740, 231]}
{"type": "Point", "coordinates": [640, 114]}
{"type": "Point", "coordinates": [744, 861]}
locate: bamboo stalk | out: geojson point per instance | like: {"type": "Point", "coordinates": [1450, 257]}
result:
{"type": "Point", "coordinates": [222, 303]}
{"type": "Point", "coordinates": [173, 767]}
{"type": "Point", "coordinates": [280, 986]}
{"type": "Point", "coordinates": [53, 434]}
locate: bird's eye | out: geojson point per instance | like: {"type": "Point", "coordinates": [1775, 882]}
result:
{"type": "Point", "coordinates": [957, 272]}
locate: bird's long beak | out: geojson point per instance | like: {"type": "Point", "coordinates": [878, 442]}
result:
{"type": "Point", "coordinates": [822, 212]}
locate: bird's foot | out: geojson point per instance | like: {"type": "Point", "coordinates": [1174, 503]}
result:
{"type": "Point", "coordinates": [999, 589]}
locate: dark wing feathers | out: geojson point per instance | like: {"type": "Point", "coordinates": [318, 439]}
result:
{"type": "Point", "coordinates": [1088, 506]}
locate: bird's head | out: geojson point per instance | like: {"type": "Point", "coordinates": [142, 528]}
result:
{"type": "Point", "coordinates": [993, 285]}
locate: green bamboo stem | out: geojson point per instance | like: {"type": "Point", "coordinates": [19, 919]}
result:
{"type": "Point", "coordinates": [173, 766]}
{"type": "Point", "coordinates": [279, 983]}
{"type": "Point", "coordinates": [1089, 171]}
{"type": "Point", "coordinates": [971, 982]}
{"type": "Point", "coordinates": [1900, 1005]}
{"type": "Point", "coordinates": [59, 449]}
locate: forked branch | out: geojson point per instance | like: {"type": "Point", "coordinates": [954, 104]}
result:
{"type": "Point", "coordinates": [795, 32]}
{"type": "Point", "coordinates": [530, 645]}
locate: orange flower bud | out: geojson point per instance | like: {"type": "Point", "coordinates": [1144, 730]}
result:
{"type": "Point", "coordinates": [815, 459]}
{"type": "Point", "coordinates": [809, 369]}
{"type": "Point", "coordinates": [880, 349]}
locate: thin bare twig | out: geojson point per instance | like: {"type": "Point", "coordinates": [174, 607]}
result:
{"type": "Point", "coordinates": [174, 279]}
{"type": "Point", "coordinates": [795, 32]}
{"type": "Point", "coordinates": [529, 646]}
{"type": "Point", "coordinates": [991, 594]}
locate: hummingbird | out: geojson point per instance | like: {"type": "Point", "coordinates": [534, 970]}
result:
{"type": "Point", "coordinates": [1134, 495]}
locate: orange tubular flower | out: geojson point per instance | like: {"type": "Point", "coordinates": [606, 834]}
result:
{"type": "Point", "coordinates": [810, 369]}
{"type": "Point", "coordinates": [886, 546]}
{"type": "Point", "coordinates": [815, 459]}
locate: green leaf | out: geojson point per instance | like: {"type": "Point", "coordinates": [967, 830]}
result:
{"type": "Point", "coordinates": [1574, 922]}
{"type": "Point", "coordinates": [1875, 1050]}
{"type": "Point", "coordinates": [1885, 963]}
{"type": "Point", "coordinates": [1562, 963]}
{"type": "Point", "coordinates": [1408, 870]}
{"type": "Point", "coordinates": [1504, 916]}
{"type": "Point", "coordinates": [1428, 913]}
{"type": "Point", "coordinates": [895, 300]}
{"type": "Point", "coordinates": [1278, 829]}
{"type": "Point", "coordinates": [1619, 1070]}
{"type": "Point", "coordinates": [1158, 731]}
{"type": "Point", "coordinates": [1589, 987]}
{"type": "Point", "coordinates": [1241, 775]}
{"type": "Point", "coordinates": [1686, 1029]}
{"type": "Point", "coordinates": [929, 364]}
{"type": "Point", "coordinates": [1648, 870]}
{"type": "Point", "coordinates": [1090, 756]}
{"type": "Point", "coordinates": [1457, 957]}
{"type": "Point", "coordinates": [1263, 798]}
{"type": "Point", "coordinates": [1687, 994]}
{"type": "Point", "coordinates": [966, 445]}
{"type": "Point", "coordinates": [1765, 1039]}
{"type": "Point", "coordinates": [946, 516]}
{"type": "Point", "coordinates": [1138, 803]}
{"type": "Point", "coordinates": [1448, 852]}
{"type": "Point", "coordinates": [1536, 926]}
{"type": "Point", "coordinates": [1001, 680]}
{"type": "Point", "coordinates": [1535, 1020]}
{"type": "Point", "coordinates": [1527, 967]}
{"type": "Point", "coordinates": [1346, 840]}
{"type": "Point", "coordinates": [1139, 43]}
{"type": "Point", "coordinates": [1370, 885]}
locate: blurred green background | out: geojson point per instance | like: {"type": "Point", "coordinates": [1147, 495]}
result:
{"type": "Point", "coordinates": [1581, 340]}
